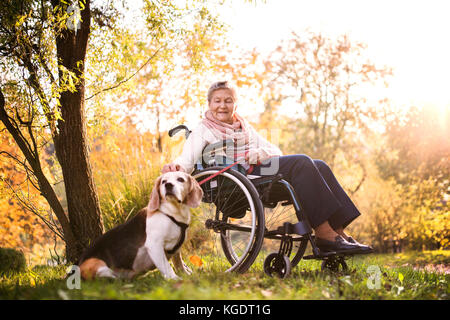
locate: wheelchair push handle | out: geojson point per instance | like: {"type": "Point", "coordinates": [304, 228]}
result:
{"type": "Point", "coordinates": [178, 128]}
{"type": "Point", "coordinates": [212, 149]}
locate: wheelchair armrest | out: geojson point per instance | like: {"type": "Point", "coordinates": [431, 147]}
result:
{"type": "Point", "coordinates": [262, 180]}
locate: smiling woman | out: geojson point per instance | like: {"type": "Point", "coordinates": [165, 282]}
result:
{"type": "Point", "coordinates": [222, 122]}
{"type": "Point", "coordinates": [221, 101]}
{"type": "Point", "coordinates": [326, 204]}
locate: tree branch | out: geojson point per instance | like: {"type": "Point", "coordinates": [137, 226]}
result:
{"type": "Point", "coordinates": [363, 178]}
{"type": "Point", "coordinates": [127, 79]}
{"type": "Point", "coordinates": [27, 205]}
{"type": "Point", "coordinates": [22, 163]}
{"type": "Point", "coordinates": [44, 185]}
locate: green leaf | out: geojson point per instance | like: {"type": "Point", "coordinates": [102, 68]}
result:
{"type": "Point", "coordinates": [400, 277]}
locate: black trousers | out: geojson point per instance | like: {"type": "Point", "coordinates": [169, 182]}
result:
{"type": "Point", "coordinates": [321, 196]}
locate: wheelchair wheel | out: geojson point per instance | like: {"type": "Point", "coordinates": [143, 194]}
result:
{"type": "Point", "coordinates": [279, 265]}
{"type": "Point", "coordinates": [233, 216]}
{"type": "Point", "coordinates": [275, 218]}
{"type": "Point", "coordinates": [334, 264]}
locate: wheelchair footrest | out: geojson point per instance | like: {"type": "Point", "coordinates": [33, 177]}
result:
{"type": "Point", "coordinates": [325, 255]}
{"type": "Point", "coordinates": [320, 256]}
{"type": "Point", "coordinates": [301, 228]}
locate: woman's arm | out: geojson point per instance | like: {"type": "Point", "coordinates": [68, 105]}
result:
{"type": "Point", "coordinates": [260, 148]}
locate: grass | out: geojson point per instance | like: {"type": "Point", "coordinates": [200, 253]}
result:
{"type": "Point", "coordinates": [403, 276]}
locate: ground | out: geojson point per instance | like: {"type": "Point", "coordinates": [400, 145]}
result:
{"type": "Point", "coordinates": [411, 275]}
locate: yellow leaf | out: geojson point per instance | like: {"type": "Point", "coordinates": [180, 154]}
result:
{"type": "Point", "coordinates": [21, 20]}
{"type": "Point", "coordinates": [196, 261]}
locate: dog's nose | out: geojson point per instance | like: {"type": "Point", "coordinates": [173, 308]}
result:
{"type": "Point", "coordinates": [169, 186]}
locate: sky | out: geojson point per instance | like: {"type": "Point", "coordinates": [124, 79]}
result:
{"type": "Point", "coordinates": [412, 37]}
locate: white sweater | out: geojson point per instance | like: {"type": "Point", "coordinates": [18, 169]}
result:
{"type": "Point", "coordinates": [260, 148]}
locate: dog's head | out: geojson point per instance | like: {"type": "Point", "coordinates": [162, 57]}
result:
{"type": "Point", "coordinates": [178, 187]}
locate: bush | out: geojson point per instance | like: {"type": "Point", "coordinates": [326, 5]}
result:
{"type": "Point", "coordinates": [126, 195]}
{"type": "Point", "coordinates": [11, 260]}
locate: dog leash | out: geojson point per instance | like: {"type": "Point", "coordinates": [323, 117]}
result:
{"type": "Point", "coordinates": [221, 171]}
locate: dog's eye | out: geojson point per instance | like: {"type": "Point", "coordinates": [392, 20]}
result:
{"type": "Point", "coordinates": [164, 181]}
{"type": "Point", "coordinates": [180, 179]}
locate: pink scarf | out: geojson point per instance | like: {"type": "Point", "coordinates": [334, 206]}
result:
{"type": "Point", "coordinates": [238, 131]}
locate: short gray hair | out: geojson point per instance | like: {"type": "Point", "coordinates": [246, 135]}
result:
{"type": "Point", "coordinates": [221, 85]}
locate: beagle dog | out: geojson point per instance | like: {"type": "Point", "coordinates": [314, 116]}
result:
{"type": "Point", "coordinates": [153, 236]}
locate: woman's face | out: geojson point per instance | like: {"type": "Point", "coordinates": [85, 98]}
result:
{"type": "Point", "coordinates": [222, 105]}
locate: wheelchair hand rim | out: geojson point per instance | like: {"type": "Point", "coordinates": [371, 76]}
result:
{"type": "Point", "coordinates": [252, 209]}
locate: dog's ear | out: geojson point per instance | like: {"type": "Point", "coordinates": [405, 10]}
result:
{"type": "Point", "coordinates": [155, 197]}
{"type": "Point", "coordinates": [195, 195]}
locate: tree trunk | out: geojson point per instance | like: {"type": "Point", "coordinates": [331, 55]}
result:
{"type": "Point", "coordinates": [71, 141]}
{"type": "Point", "coordinates": [72, 153]}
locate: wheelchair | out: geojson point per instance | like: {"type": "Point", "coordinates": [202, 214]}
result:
{"type": "Point", "coordinates": [245, 215]}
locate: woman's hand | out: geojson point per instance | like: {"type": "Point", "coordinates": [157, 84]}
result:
{"type": "Point", "coordinates": [253, 156]}
{"type": "Point", "coordinates": [172, 167]}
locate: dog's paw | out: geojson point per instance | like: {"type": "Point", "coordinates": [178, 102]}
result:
{"type": "Point", "coordinates": [172, 277]}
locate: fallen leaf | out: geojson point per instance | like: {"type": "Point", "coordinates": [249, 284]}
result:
{"type": "Point", "coordinates": [266, 293]}
{"type": "Point", "coordinates": [196, 261]}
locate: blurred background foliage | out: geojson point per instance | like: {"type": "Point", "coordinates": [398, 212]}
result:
{"type": "Point", "coordinates": [148, 71]}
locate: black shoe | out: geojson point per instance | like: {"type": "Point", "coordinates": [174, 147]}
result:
{"type": "Point", "coordinates": [339, 245]}
{"type": "Point", "coordinates": [364, 248]}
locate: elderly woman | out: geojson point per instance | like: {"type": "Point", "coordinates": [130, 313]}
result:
{"type": "Point", "coordinates": [326, 204]}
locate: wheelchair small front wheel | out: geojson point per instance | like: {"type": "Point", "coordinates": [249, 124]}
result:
{"type": "Point", "coordinates": [277, 264]}
{"type": "Point", "coordinates": [334, 264]}
{"type": "Point", "coordinates": [274, 218]}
